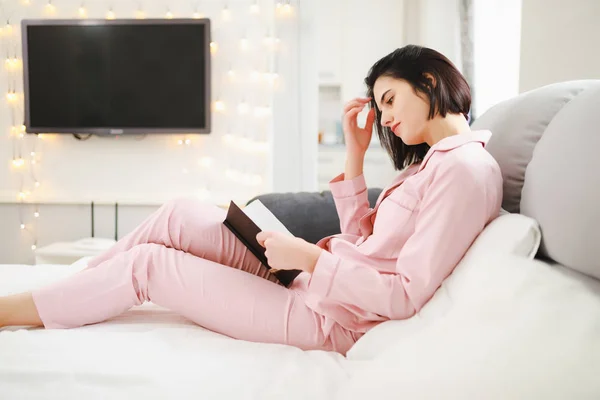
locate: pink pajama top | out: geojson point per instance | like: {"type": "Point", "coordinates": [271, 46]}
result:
{"type": "Point", "coordinates": [389, 260]}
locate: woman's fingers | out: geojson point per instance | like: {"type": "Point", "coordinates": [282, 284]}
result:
{"type": "Point", "coordinates": [355, 102]}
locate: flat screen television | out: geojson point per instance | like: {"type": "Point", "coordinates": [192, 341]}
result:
{"type": "Point", "coordinates": [117, 77]}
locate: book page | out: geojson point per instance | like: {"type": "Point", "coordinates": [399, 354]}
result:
{"type": "Point", "coordinates": [264, 218]}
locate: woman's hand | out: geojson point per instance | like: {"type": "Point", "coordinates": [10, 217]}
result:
{"type": "Point", "coordinates": [357, 139]}
{"type": "Point", "coordinates": [288, 252]}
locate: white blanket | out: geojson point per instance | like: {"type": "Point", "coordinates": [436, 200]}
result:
{"type": "Point", "coordinates": [499, 328]}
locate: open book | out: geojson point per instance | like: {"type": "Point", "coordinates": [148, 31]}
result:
{"type": "Point", "coordinates": [246, 224]}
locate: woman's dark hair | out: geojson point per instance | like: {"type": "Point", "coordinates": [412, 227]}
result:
{"type": "Point", "coordinates": [449, 94]}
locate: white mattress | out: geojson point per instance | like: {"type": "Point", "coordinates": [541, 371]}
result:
{"type": "Point", "coordinates": [499, 328]}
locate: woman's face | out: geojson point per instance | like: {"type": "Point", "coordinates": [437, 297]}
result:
{"type": "Point", "coordinates": [402, 110]}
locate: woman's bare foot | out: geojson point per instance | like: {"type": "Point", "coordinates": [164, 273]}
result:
{"type": "Point", "coordinates": [19, 310]}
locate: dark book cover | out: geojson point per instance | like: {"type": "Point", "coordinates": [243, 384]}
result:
{"type": "Point", "coordinates": [246, 230]}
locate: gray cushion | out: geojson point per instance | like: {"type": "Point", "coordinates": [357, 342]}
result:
{"type": "Point", "coordinates": [517, 125]}
{"type": "Point", "coordinates": [562, 185]}
{"type": "Point", "coordinates": [310, 216]}
{"type": "Point", "coordinates": [545, 141]}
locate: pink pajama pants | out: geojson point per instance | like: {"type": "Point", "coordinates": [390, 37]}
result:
{"type": "Point", "coordinates": [183, 258]}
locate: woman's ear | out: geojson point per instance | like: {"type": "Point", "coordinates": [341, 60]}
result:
{"type": "Point", "coordinates": [430, 78]}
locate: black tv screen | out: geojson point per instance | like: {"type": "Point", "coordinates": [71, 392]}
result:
{"type": "Point", "coordinates": [117, 76]}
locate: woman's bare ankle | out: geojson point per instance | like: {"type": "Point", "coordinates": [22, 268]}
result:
{"type": "Point", "coordinates": [19, 310]}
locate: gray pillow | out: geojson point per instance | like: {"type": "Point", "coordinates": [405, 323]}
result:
{"type": "Point", "coordinates": [310, 216]}
{"type": "Point", "coordinates": [517, 125]}
{"type": "Point", "coordinates": [562, 185]}
{"type": "Point", "coordinates": [545, 142]}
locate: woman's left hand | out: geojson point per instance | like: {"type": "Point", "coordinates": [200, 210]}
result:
{"type": "Point", "coordinates": [289, 252]}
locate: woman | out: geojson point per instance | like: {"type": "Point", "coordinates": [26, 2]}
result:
{"type": "Point", "coordinates": [386, 263]}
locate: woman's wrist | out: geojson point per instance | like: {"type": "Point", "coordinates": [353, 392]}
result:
{"type": "Point", "coordinates": [314, 254]}
{"type": "Point", "coordinates": [354, 165]}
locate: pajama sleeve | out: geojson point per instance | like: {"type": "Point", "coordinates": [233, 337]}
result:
{"type": "Point", "coordinates": [351, 201]}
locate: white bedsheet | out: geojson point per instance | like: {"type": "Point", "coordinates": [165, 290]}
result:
{"type": "Point", "coordinates": [499, 328]}
{"type": "Point", "coordinates": [151, 353]}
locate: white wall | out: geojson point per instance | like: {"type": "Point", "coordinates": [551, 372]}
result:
{"type": "Point", "coordinates": [245, 155]}
{"type": "Point", "coordinates": [435, 24]}
{"type": "Point", "coordinates": [560, 41]}
{"type": "Point", "coordinates": [156, 168]}
{"type": "Point", "coordinates": [497, 37]}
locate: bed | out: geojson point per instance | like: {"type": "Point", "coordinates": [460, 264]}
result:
{"type": "Point", "coordinates": [504, 325]}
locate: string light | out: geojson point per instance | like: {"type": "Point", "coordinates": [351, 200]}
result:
{"type": "Point", "coordinates": [8, 29]}
{"type": "Point", "coordinates": [226, 13]}
{"type": "Point", "coordinates": [33, 247]}
{"type": "Point", "coordinates": [140, 14]}
{"type": "Point", "coordinates": [26, 2]}
{"type": "Point", "coordinates": [50, 8]}
{"type": "Point", "coordinates": [37, 184]}
{"type": "Point", "coordinates": [22, 225]}
{"type": "Point", "coordinates": [82, 11]}
{"type": "Point", "coordinates": [231, 74]}
{"type": "Point", "coordinates": [110, 14]}
{"type": "Point", "coordinates": [287, 8]}
{"type": "Point", "coordinates": [18, 162]}
{"type": "Point", "coordinates": [197, 15]}
{"type": "Point", "coordinates": [219, 106]}
{"type": "Point", "coordinates": [11, 97]}
{"type": "Point", "coordinates": [214, 47]}
{"type": "Point", "coordinates": [36, 214]}
{"type": "Point", "coordinates": [169, 15]}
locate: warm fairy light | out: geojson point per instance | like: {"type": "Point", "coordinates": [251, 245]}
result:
{"type": "Point", "coordinates": [110, 14]}
{"type": "Point", "coordinates": [226, 13]}
{"type": "Point", "coordinates": [219, 106]}
{"type": "Point", "coordinates": [33, 247]}
{"type": "Point", "coordinates": [11, 97]}
{"type": "Point", "coordinates": [169, 15]}
{"type": "Point", "coordinates": [213, 47]}
{"type": "Point", "coordinates": [50, 8]}
{"type": "Point", "coordinates": [231, 74]}
{"type": "Point", "coordinates": [140, 14]}
{"type": "Point", "coordinates": [22, 225]}
{"type": "Point", "coordinates": [36, 214]}
{"type": "Point", "coordinates": [18, 162]}
{"type": "Point", "coordinates": [37, 184]}
{"type": "Point", "coordinates": [82, 11]}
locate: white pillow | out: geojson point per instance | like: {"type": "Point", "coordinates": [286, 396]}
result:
{"type": "Point", "coordinates": [513, 234]}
